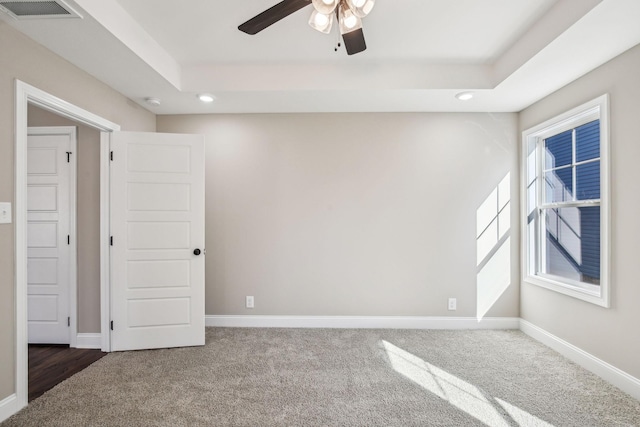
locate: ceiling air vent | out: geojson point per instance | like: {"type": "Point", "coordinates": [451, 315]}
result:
{"type": "Point", "coordinates": [31, 9]}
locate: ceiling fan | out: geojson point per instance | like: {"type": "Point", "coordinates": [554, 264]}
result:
{"type": "Point", "coordinates": [349, 14]}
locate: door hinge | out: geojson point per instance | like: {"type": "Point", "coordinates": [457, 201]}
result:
{"type": "Point", "coordinates": [111, 240]}
{"type": "Point", "coordinates": [111, 156]}
{"type": "Point", "coordinates": [68, 321]}
{"type": "Point", "coordinates": [68, 239]}
{"type": "Point", "coordinates": [69, 153]}
{"type": "Point", "coordinates": [112, 325]}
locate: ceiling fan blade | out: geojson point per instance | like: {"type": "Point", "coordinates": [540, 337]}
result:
{"type": "Point", "coordinates": [272, 15]}
{"type": "Point", "coordinates": [354, 42]}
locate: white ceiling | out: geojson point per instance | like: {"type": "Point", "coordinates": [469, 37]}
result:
{"type": "Point", "coordinates": [467, 31]}
{"type": "Point", "coordinates": [420, 53]}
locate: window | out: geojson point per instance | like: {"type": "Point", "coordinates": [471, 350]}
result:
{"type": "Point", "coordinates": [565, 230]}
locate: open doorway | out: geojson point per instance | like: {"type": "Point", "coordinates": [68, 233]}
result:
{"type": "Point", "coordinates": [28, 95]}
{"type": "Point", "coordinates": [84, 237]}
{"type": "Point", "coordinates": [63, 248]}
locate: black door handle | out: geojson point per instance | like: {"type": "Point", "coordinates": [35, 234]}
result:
{"type": "Point", "coordinates": [196, 252]}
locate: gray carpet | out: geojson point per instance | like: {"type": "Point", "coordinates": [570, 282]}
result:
{"type": "Point", "coordinates": [330, 377]}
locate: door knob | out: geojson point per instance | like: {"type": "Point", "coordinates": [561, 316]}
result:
{"type": "Point", "coordinates": [196, 252]}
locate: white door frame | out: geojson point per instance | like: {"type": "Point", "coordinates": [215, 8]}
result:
{"type": "Point", "coordinates": [73, 241]}
{"type": "Point", "coordinates": [26, 94]}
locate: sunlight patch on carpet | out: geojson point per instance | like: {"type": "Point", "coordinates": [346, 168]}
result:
{"type": "Point", "coordinates": [457, 392]}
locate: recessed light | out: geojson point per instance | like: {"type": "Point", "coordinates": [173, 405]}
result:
{"type": "Point", "coordinates": [464, 96]}
{"type": "Point", "coordinates": [154, 102]}
{"type": "Point", "coordinates": [206, 97]}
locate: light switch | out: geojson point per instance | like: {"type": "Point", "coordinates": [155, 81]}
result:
{"type": "Point", "coordinates": [5, 213]}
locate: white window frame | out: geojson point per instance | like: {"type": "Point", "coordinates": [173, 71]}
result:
{"type": "Point", "coordinates": [597, 109]}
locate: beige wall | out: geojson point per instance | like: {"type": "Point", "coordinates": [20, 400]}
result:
{"type": "Point", "coordinates": [87, 216]}
{"type": "Point", "coordinates": [609, 334]}
{"type": "Point", "coordinates": [353, 214]}
{"type": "Point", "coordinates": [23, 59]}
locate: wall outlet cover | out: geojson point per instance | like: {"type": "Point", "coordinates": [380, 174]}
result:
{"type": "Point", "coordinates": [5, 213]}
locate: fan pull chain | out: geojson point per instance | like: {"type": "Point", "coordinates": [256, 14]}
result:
{"type": "Point", "coordinates": [338, 44]}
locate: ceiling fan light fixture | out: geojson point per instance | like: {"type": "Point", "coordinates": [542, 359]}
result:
{"type": "Point", "coordinates": [321, 22]}
{"type": "Point", "coordinates": [348, 20]}
{"type": "Point", "coordinates": [326, 12]}
{"type": "Point", "coordinates": [361, 8]}
{"type": "Point", "coordinates": [326, 7]}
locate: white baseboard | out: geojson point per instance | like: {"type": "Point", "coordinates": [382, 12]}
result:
{"type": "Point", "coordinates": [9, 406]}
{"type": "Point", "coordinates": [89, 341]}
{"type": "Point", "coordinates": [362, 322]}
{"type": "Point", "coordinates": [610, 373]}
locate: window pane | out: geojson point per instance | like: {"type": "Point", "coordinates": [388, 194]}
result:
{"type": "Point", "coordinates": [588, 141]}
{"type": "Point", "coordinates": [558, 185]}
{"type": "Point", "coordinates": [558, 150]}
{"type": "Point", "coordinates": [572, 244]}
{"type": "Point", "coordinates": [588, 181]}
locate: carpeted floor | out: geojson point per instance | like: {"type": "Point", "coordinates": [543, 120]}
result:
{"type": "Point", "coordinates": [334, 377]}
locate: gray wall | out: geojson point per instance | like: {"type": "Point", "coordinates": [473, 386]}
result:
{"type": "Point", "coordinates": [355, 214]}
{"type": "Point", "coordinates": [609, 334]}
{"type": "Point", "coordinates": [23, 59]}
{"type": "Point", "coordinates": [87, 216]}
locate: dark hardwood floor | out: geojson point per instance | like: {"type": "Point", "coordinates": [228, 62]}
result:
{"type": "Point", "coordinates": [52, 364]}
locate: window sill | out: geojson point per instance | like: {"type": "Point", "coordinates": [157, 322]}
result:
{"type": "Point", "coordinates": [598, 297]}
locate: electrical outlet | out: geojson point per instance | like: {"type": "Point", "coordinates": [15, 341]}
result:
{"type": "Point", "coordinates": [249, 302]}
{"type": "Point", "coordinates": [452, 304]}
{"type": "Point", "coordinates": [5, 213]}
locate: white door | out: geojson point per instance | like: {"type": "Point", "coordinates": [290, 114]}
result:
{"type": "Point", "coordinates": [49, 212]}
{"type": "Point", "coordinates": [157, 229]}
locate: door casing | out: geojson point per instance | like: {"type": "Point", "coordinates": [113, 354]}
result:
{"type": "Point", "coordinates": [26, 94]}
